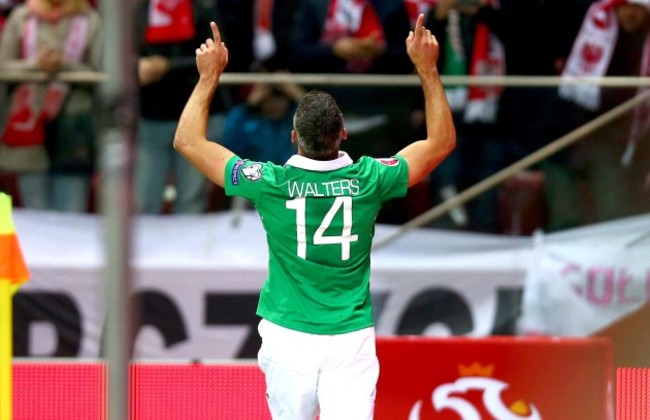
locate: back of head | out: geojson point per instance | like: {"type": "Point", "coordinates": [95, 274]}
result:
{"type": "Point", "coordinates": [318, 123]}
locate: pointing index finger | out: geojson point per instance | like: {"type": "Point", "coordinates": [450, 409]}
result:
{"type": "Point", "coordinates": [420, 22]}
{"type": "Point", "coordinates": [215, 32]}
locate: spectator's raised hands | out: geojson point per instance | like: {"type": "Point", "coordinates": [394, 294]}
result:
{"type": "Point", "coordinates": [212, 55]}
{"type": "Point", "coordinates": [422, 47]}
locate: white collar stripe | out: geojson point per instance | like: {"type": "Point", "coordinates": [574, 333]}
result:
{"type": "Point", "coordinates": [320, 165]}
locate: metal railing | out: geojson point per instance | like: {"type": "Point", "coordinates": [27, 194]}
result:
{"type": "Point", "coordinates": [353, 79]}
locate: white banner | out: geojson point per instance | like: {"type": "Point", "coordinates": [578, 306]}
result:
{"type": "Point", "coordinates": [196, 280]}
{"type": "Point", "coordinates": [579, 286]}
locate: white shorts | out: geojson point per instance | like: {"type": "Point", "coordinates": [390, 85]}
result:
{"type": "Point", "coordinates": [307, 372]}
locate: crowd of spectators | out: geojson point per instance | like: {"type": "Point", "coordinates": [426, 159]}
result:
{"type": "Point", "coordinates": [49, 130]}
{"type": "Point", "coordinates": [603, 177]}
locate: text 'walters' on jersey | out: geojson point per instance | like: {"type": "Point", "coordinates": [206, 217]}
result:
{"type": "Point", "coordinates": [324, 189]}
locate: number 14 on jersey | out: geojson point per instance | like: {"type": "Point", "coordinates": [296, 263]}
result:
{"type": "Point", "coordinates": [341, 203]}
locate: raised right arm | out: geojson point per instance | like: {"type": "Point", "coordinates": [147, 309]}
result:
{"type": "Point", "coordinates": [423, 156]}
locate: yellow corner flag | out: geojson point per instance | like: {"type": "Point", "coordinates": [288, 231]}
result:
{"type": "Point", "coordinates": [13, 272]}
{"type": "Point", "coordinates": [12, 264]}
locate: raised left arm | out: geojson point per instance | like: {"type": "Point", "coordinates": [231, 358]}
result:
{"type": "Point", "coordinates": [208, 157]}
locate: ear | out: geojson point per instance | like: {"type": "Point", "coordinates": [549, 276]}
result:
{"type": "Point", "coordinates": [344, 134]}
{"type": "Point", "coordinates": [294, 137]}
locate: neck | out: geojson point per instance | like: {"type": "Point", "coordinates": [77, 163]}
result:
{"type": "Point", "coordinates": [50, 12]}
{"type": "Point", "coordinates": [329, 156]}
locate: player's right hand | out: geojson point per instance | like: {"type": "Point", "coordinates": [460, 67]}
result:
{"type": "Point", "coordinates": [421, 46]}
{"type": "Point", "coordinates": [212, 55]}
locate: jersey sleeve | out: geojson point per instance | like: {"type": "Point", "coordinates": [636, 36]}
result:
{"type": "Point", "coordinates": [393, 177]}
{"type": "Point", "coordinates": [245, 178]}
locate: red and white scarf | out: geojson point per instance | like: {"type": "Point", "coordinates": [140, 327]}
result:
{"type": "Point", "coordinates": [264, 45]}
{"type": "Point", "coordinates": [29, 112]}
{"type": "Point", "coordinates": [488, 59]}
{"type": "Point", "coordinates": [170, 21]}
{"type": "Point", "coordinates": [356, 18]}
{"type": "Point", "coordinates": [590, 57]}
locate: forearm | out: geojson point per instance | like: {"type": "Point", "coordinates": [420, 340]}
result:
{"type": "Point", "coordinates": [190, 140]}
{"type": "Point", "coordinates": [192, 125]}
{"type": "Point", "coordinates": [439, 120]}
{"type": "Point", "coordinates": [423, 156]}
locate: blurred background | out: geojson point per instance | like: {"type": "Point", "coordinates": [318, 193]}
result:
{"type": "Point", "coordinates": [537, 225]}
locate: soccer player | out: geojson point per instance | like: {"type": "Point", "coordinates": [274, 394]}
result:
{"type": "Point", "coordinates": [318, 210]}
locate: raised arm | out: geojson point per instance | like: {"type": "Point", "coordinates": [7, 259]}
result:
{"type": "Point", "coordinates": [424, 155]}
{"type": "Point", "coordinates": [190, 140]}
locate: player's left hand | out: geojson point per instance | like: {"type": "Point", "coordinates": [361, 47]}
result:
{"type": "Point", "coordinates": [212, 55]}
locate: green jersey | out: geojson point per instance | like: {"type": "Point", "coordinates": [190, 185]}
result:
{"type": "Point", "coordinates": [319, 220]}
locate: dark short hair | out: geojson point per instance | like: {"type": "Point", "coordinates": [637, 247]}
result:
{"type": "Point", "coordinates": [318, 123]}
